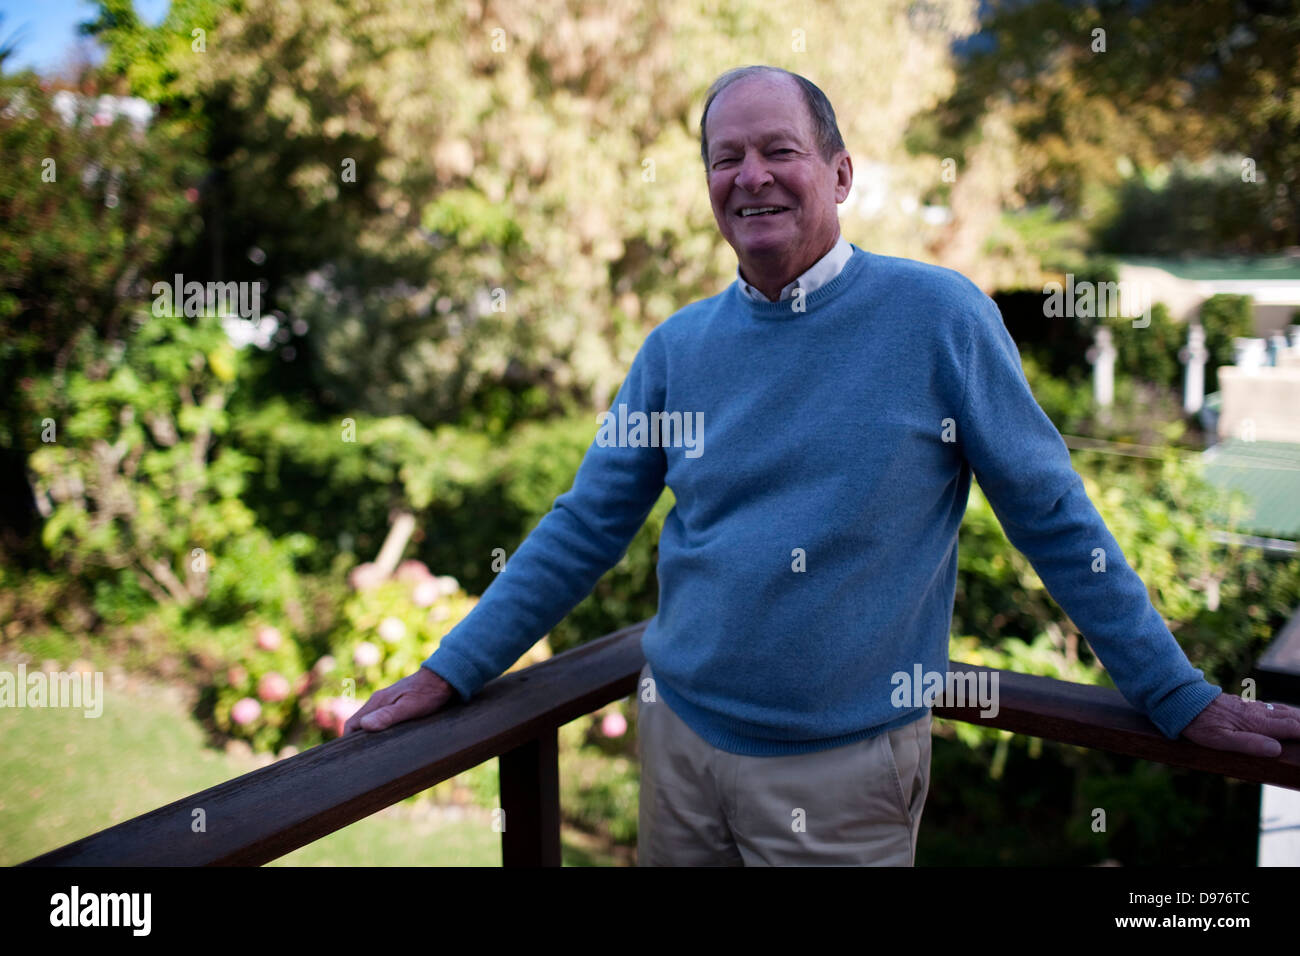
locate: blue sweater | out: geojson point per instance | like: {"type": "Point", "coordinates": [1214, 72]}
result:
{"type": "Point", "coordinates": [812, 550]}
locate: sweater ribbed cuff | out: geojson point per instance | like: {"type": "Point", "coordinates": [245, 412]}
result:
{"type": "Point", "coordinates": [1180, 708]}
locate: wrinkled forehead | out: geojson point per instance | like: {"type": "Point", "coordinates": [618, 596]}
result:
{"type": "Point", "coordinates": [769, 110]}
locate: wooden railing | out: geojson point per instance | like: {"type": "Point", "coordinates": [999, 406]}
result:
{"type": "Point", "coordinates": [271, 811]}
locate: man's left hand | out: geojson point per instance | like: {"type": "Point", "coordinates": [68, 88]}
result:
{"type": "Point", "coordinates": [1244, 726]}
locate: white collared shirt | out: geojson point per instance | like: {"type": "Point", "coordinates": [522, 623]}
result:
{"type": "Point", "coordinates": [823, 271]}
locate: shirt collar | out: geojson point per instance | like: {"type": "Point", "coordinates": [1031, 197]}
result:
{"type": "Point", "coordinates": [822, 271]}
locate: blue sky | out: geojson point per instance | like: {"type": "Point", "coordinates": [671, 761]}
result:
{"type": "Point", "coordinates": [45, 31]}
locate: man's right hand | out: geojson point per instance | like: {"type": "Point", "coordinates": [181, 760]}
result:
{"type": "Point", "coordinates": [414, 696]}
{"type": "Point", "coordinates": [1244, 726]}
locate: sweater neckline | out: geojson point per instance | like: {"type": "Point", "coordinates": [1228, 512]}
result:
{"type": "Point", "coordinates": [815, 299]}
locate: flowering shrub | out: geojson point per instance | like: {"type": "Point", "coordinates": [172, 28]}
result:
{"type": "Point", "coordinates": [388, 627]}
{"type": "Point", "coordinates": [258, 693]}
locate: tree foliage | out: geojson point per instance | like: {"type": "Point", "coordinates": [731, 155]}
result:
{"type": "Point", "coordinates": [481, 209]}
{"type": "Point", "coordinates": [137, 488]}
{"type": "Point", "coordinates": [1098, 92]}
{"type": "Point", "coordinates": [92, 208]}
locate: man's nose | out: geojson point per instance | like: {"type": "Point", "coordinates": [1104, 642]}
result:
{"type": "Point", "coordinates": [753, 174]}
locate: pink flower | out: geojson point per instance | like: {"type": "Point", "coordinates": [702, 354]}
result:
{"type": "Point", "coordinates": [273, 687]}
{"type": "Point", "coordinates": [392, 630]}
{"type": "Point", "coordinates": [324, 715]}
{"type": "Point", "coordinates": [613, 725]}
{"type": "Point", "coordinates": [325, 665]}
{"type": "Point", "coordinates": [364, 577]}
{"type": "Point", "coordinates": [413, 571]}
{"type": "Point", "coordinates": [366, 655]}
{"type": "Point", "coordinates": [426, 593]}
{"type": "Point", "coordinates": [343, 708]}
{"type": "Point", "coordinates": [192, 194]}
{"type": "Point", "coordinates": [245, 711]}
{"type": "Point", "coordinates": [268, 638]}
{"type": "Point", "coordinates": [236, 675]}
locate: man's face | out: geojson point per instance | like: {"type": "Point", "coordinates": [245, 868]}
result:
{"type": "Point", "coordinates": [763, 152]}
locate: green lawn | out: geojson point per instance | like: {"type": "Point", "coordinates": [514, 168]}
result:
{"type": "Point", "coordinates": [64, 776]}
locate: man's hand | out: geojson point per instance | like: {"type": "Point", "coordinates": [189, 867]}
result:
{"type": "Point", "coordinates": [413, 696]}
{"type": "Point", "coordinates": [1244, 726]}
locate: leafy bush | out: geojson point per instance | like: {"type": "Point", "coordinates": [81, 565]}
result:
{"type": "Point", "coordinates": [259, 698]}
{"type": "Point", "coordinates": [340, 481]}
{"type": "Point", "coordinates": [472, 498]}
{"type": "Point", "coordinates": [140, 491]}
{"type": "Point", "coordinates": [1205, 211]}
{"type": "Point", "coordinates": [92, 208]}
{"type": "Point", "coordinates": [1223, 602]}
{"type": "Point", "coordinates": [1224, 318]}
{"type": "Point", "coordinates": [383, 634]}
{"type": "Point", "coordinates": [1150, 353]}
{"type": "Point", "coordinates": [1068, 404]}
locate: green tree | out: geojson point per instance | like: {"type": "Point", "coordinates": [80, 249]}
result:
{"type": "Point", "coordinates": [92, 211]}
{"type": "Point", "coordinates": [137, 489]}
{"type": "Point", "coordinates": [1097, 92]}
{"type": "Point", "coordinates": [480, 211]}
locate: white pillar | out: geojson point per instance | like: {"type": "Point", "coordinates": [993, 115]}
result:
{"type": "Point", "coordinates": [1102, 356]}
{"type": "Point", "coordinates": [1249, 354]}
{"type": "Point", "coordinates": [1194, 357]}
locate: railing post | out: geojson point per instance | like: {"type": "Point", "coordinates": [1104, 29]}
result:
{"type": "Point", "coordinates": [530, 797]}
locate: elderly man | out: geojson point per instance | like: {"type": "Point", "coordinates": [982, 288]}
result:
{"type": "Point", "coordinates": [846, 398]}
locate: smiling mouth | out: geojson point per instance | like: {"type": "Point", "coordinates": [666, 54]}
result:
{"type": "Point", "coordinates": [760, 212]}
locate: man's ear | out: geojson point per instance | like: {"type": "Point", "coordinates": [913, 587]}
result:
{"type": "Point", "coordinates": [843, 176]}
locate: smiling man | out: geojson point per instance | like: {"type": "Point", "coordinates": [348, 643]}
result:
{"type": "Point", "coordinates": [774, 180]}
{"type": "Point", "coordinates": [811, 556]}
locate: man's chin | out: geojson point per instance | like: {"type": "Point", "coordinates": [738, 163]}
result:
{"type": "Point", "coordinates": [770, 256]}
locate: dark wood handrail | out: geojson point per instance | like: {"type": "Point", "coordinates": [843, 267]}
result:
{"type": "Point", "coordinates": [1101, 719]}
{"type": "Point", "coordinates": [274, 810]}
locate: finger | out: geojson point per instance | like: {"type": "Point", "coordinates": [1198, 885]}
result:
{"type": "Point", "coordinates": [353, 723]}
{"type": "Point", "coordinates": [407, 706]}
{"type": "Point", "coordinates": [381, 719]}
{"type": "Point", "coordinates": [380, 698]}
{"type": "Point", "coordinates": [1282, 721]}
{"type": "Point", "coordinates": [1245, 742]}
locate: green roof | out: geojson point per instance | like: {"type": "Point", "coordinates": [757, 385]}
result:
{"type": "Point", "coordinates": [1242, 267]}
{"type": "Point", "coordinates": [1268, 474]}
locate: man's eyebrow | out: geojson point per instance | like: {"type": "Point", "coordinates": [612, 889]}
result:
{"type": "Point", "coordinates": [764, 138]}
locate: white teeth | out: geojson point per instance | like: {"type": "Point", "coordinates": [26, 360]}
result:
{"type": "Point", "coordinates": [759, 211]}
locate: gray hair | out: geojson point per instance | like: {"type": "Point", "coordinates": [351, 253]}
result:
{"type": "Point", "coordinates": [825, 129]}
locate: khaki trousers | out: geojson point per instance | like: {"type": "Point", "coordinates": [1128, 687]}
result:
{"type": "Point", "coordinates": [856, 805]}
